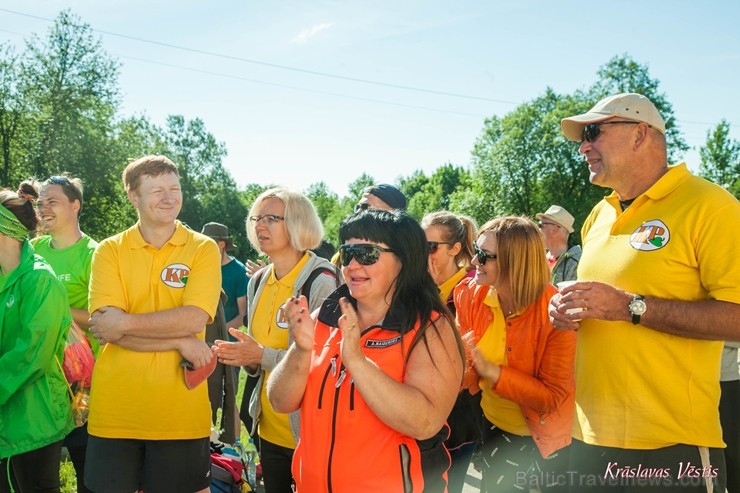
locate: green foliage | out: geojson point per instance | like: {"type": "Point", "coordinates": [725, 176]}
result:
{"type": "Point", "coordinates": [434, 193]}
{"type": "Point", "coordinates": [326, 203]}
{"type": "Point", "coordinates": [345, 206]}
{"type": "Point", "coordinates": [12, 112]}
{"type": "Point", "coordinates": [523, 164]}
{"type": "Point", "coordinates": [720, 159]}
{"type": "Point", "coordinates": [71, 86]}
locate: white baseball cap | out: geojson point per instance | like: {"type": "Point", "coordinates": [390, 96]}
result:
{"type": "Point", "coordinates": [627, 105]}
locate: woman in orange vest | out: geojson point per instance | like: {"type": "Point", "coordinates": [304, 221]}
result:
{"type": "Point", "coordinates": [523, 366]}
{"type": "Point", "coordinates": [376, 373]}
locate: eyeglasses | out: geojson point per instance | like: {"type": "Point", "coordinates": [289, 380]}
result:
{"type": "Point", "coordinates": [592, 131]}
{"type": "Point", "coordinates": [434, 245]}
{"type": "Point", "coordinates": [270, 219]}
{"type": "Point", "coordinates": [364, 253]}
{"type": "Point", "coordinates": [483, 256]}
{"type": "Point", "coordinates": [362, 207]}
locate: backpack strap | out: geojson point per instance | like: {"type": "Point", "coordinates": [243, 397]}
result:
{"type": "Point", "coordinates": [306, 288]}
{"type": "Point", "coordinates": [256, 280]}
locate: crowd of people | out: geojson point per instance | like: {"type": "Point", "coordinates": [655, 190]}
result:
{"type": "Point", "coordinates": [416, 349]}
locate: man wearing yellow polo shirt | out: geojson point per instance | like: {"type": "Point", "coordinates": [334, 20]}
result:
{"type": "Point", "coordinates": [153, 289]}
{"type": "Point", "coordinates": [659, 282]}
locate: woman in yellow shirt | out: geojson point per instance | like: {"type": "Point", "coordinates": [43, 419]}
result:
{"type": "Point", "coordinates": [450, 238]}
{"type": "Point", "coordinates": [283, 225]}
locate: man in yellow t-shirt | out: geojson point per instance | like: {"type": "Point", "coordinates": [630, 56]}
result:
{"type": "Point", "coordinates": [153, 289]}
{"type": "Point", "coordinates": [660, 285]}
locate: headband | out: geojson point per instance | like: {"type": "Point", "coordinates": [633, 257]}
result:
{"type": "Point", "coordinates": [10, 226]}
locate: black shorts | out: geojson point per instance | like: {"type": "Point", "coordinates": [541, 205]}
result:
{"type": "Point", "coordinates": [166, 466]}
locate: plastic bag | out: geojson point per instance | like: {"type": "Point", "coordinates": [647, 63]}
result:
{"type": "Point", "coordinates": [77, 367]}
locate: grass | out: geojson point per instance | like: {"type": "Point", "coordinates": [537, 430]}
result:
{"type": "Point", "coordinates": [67, 476]}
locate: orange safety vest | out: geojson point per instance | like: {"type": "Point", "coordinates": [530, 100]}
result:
{"type": "Point", "coordinates": [343, 445]}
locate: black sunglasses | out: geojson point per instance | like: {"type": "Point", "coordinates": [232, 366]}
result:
{"type": "Point", "coordinates": [362, 207]}
{"type": "Point", "coordinates": [483, 256]}
{"type": "Point", "coordinates": [59, 180]}
{"type": "Point", "coordinates": [69, 189]}
{"type": "Point", "coordinates": [592, 131]}
{"type": "Point", "coordinates": [434, 245]}
{"type": "Point", "coordinates": [542, 223]}
{"type": "Point", "coordinates": [364, 253]}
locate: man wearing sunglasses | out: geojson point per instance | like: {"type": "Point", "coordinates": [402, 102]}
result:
{"type": "Point", "coordinates": [659, 283]}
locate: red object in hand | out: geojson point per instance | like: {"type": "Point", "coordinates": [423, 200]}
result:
{"type": "Point", "coordinates": [194, 377]}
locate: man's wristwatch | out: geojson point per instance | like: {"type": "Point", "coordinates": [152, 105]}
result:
{"type": "Point", "coordinates": [637, 308]}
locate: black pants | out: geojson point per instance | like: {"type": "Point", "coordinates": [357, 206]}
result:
{"type": "Point", "coordinates": [276, 472]}
{"type": "Point", "coordinates": [729, 415]}
{"type": "Point", "coordinates": [514, 463]}
{"type": "Point", "coordinates": [36, 471]}
{"type": "Point", "coordinates": [509, 460]}
{"type": "Point", "coordinates": [664, 470]}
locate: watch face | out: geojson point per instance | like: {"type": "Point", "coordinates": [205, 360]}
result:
{"type": "Point", "coordinates": [638, 307]}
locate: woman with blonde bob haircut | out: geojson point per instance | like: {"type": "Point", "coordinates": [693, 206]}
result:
{"type": "Point", "coordinates": [522, 365]}
{"type": "Point", "coordinates": [301, 221]}
{"type": "Point", "coordinates": [283, 225]}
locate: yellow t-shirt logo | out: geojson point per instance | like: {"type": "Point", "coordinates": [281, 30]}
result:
{"type": "Point", "coordinates": [650, 235]}
{"type": "Point", "coordinates": [175, 275]}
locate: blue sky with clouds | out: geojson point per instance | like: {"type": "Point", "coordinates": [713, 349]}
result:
{"type": "Point", "coordinates": [253, 71]}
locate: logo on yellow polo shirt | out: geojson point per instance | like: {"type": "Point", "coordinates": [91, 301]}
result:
{"type": "Point", "coordinates": [651, 235]}
{"type": "Point", "coordinates": [280, 319]}
{"type": "Point", "coordinates": [175, 275]}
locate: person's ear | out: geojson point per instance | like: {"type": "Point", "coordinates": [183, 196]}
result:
{"type": "Point", "coordinates": [640, 135]}
{"type": "Point", "coordinates": [455, 249]}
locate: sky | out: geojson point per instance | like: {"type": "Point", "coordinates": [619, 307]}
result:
{"type": "Point", "coordinates": [325, 90]}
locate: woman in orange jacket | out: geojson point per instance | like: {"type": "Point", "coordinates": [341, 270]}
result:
{"type": "Point", "coordinates": [523, 366]}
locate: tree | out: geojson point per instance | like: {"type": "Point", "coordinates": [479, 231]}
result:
{"type": "Point", "coordinates": [71, 85]}
{"type": "Point", "coordinates": [433, 194]}
{"type": "Point", "coordinates": [720, 158]}
{"type": "Point", "coordinates": [12, 112]}
{"type": "Point", "coordinates": [323, 199]}
{"type": "Point", "coordinates": [522, 164]}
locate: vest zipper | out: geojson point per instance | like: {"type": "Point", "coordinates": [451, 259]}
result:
{"type": "Point", "coordinates": [331, 369]}
{"type": "Point", "coordinates": [337, 389]}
